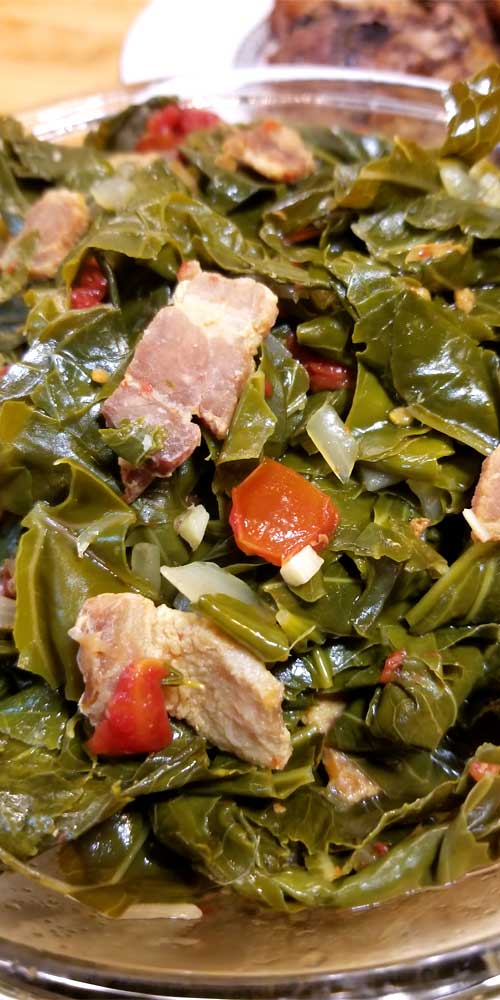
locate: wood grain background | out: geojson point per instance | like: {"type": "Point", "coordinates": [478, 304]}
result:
{"type": "Point", "coordinates": [53, 49]}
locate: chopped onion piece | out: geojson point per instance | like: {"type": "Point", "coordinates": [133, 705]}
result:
{"type": "Point", "coordinates": [113, 193]}
{"type": "Point", "coordinates": [199, 578]}
{"type": "Point", "coordinates": [480, 530]}
{"type": "Point", "coordinates": [334, 442]}
{"type": "Point", "coordinates": [456, 180]}
{"type": "Point", "coordinates": [162, 911]}
{"type": "Point", "coordinates": [301, 567]}
{"type": "Point", "coordinates": [7, 612]}
{"type": "Point", "coordinates": [324, 713]}
{"type": "Point", "coordinates": [191, 525]}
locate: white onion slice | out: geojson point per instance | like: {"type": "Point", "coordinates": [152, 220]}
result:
{"type": "Point", "coordinates": [113, 193]}
{"type": "Point", "coordinates": [480, 530]}
{"type": "Point", "coordinates": [7, 612]}
{"type": "Point", "coordinates": [335, 443]}
{"type": "Point", "coordinates": [301, 567]}
{"type": "Point", "coordinates": [191, 525]}
{"type": "Point", "coordinates": [199, 578]}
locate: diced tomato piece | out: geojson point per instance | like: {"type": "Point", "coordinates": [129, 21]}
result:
{"type": "Point", "coordinates": [194, 119]}
{"type": "Point", "coordinates": [276, 512]}
{"type": "Point", "coordinates": [268, 388]}
{"type": "Point", "coordinates": [4, 369]}
{"type": "Point", "coordinates": [91, 286]}
{"type": "Point", "coordinates": [380, 848]}
{"type": "Point", "coordinates": [301, 235]}
{"type": "Point", "coordinates": [392, 666]}
{"type": "Point", "coordinates": [323, 374]}
{"type": "Point", "coordinates": [167, 127]}
{"type": "Point", "coordinates": [84, 298]}
{"type": "Point", "coordinates": [135, 720]}
{"type": "Point", "coordinates": [328, 375]}
{"type": "Point", "coordinates": [482, 769]}
{"type": "Point", "coordinates": [7, 581]}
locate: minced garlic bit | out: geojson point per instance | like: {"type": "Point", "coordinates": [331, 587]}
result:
{"type": "Point", "coordinates": [191, 525]}
{"type": "Point", "coordinates": [420, 290]}
{"type": "Point", "coordinates": [465, 299]}
{"type": "Point", "coordinates": [401, 416]}
{"type": "Point", "coordinates": [99, 375]}
{"type": "Point", "coordinates": [423, 293]}
{"type": "Point", "coordinates": [278, 807]}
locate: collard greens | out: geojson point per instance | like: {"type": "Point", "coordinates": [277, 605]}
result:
{"type": "Point", "coordinates": [368, 257]}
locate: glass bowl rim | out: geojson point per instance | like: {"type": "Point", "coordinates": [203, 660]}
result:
{"type": "Point", "coordinates": [64, 117]}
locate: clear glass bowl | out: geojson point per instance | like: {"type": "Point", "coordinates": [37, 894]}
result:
{"type": "Point", "coordinates": [438, 943]}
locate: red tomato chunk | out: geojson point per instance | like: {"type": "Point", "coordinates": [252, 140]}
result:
{"type": "Point", "coordinates": [135, 720]}
{"type": "Point", "coordinates": [392, 666]}
{"type": "Point", "coordinates": [323, 374]}
{"type": "Point", "coordinates": [91, 286]}
{"type": "Point", "coordinates": [167, 127]}
{"type": "Point", "coordinates": [276, 512]}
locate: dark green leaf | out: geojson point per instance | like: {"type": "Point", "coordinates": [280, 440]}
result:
{"type": "Point", "coordinates": [473, 111]}
{"type": "Point", "coordinates": [134, 440]}
{"type": "Point", "coordinates": [69, 553]}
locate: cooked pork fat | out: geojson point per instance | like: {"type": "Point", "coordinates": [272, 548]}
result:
{"type": "Point", "coordinates": [346, 777]}
{"type": "Point", "coordinates": [232, 315]}
{"type": "Point", "coordinates": [484, 518]}
{"type": "Point", "coordinates": [193, 360]}
{"type": "Point", "coordinates": [271, 149]}
{"type": "Point", "coordinates": [234, 701]}
{"type": "Point", "coordinates": [59, 218]}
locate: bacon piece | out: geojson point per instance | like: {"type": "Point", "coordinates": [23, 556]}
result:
{"type": "Point", "coordinates": [233, 316]}
{"type": "Point", "coordinates": [60, 217]}
{"type": "Point", "coordinates": [346, 777]}
{"type": "Point", "coordinates": [193, 360]}
{"type": "Point", "coordinates": [324, 713]}
{"type": "Point", "coordinates": [271, 149]}
{"type": "Point", "coordinates": [234, 701]}
{"type": "Point", "coordinates": [484, 517]}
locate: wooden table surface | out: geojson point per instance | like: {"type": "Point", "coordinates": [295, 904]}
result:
{"type": "Point", "coordinates": [54, 49]}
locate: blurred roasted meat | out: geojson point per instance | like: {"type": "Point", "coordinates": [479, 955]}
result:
{"type": "Point", "coordinates": [445, 38]}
